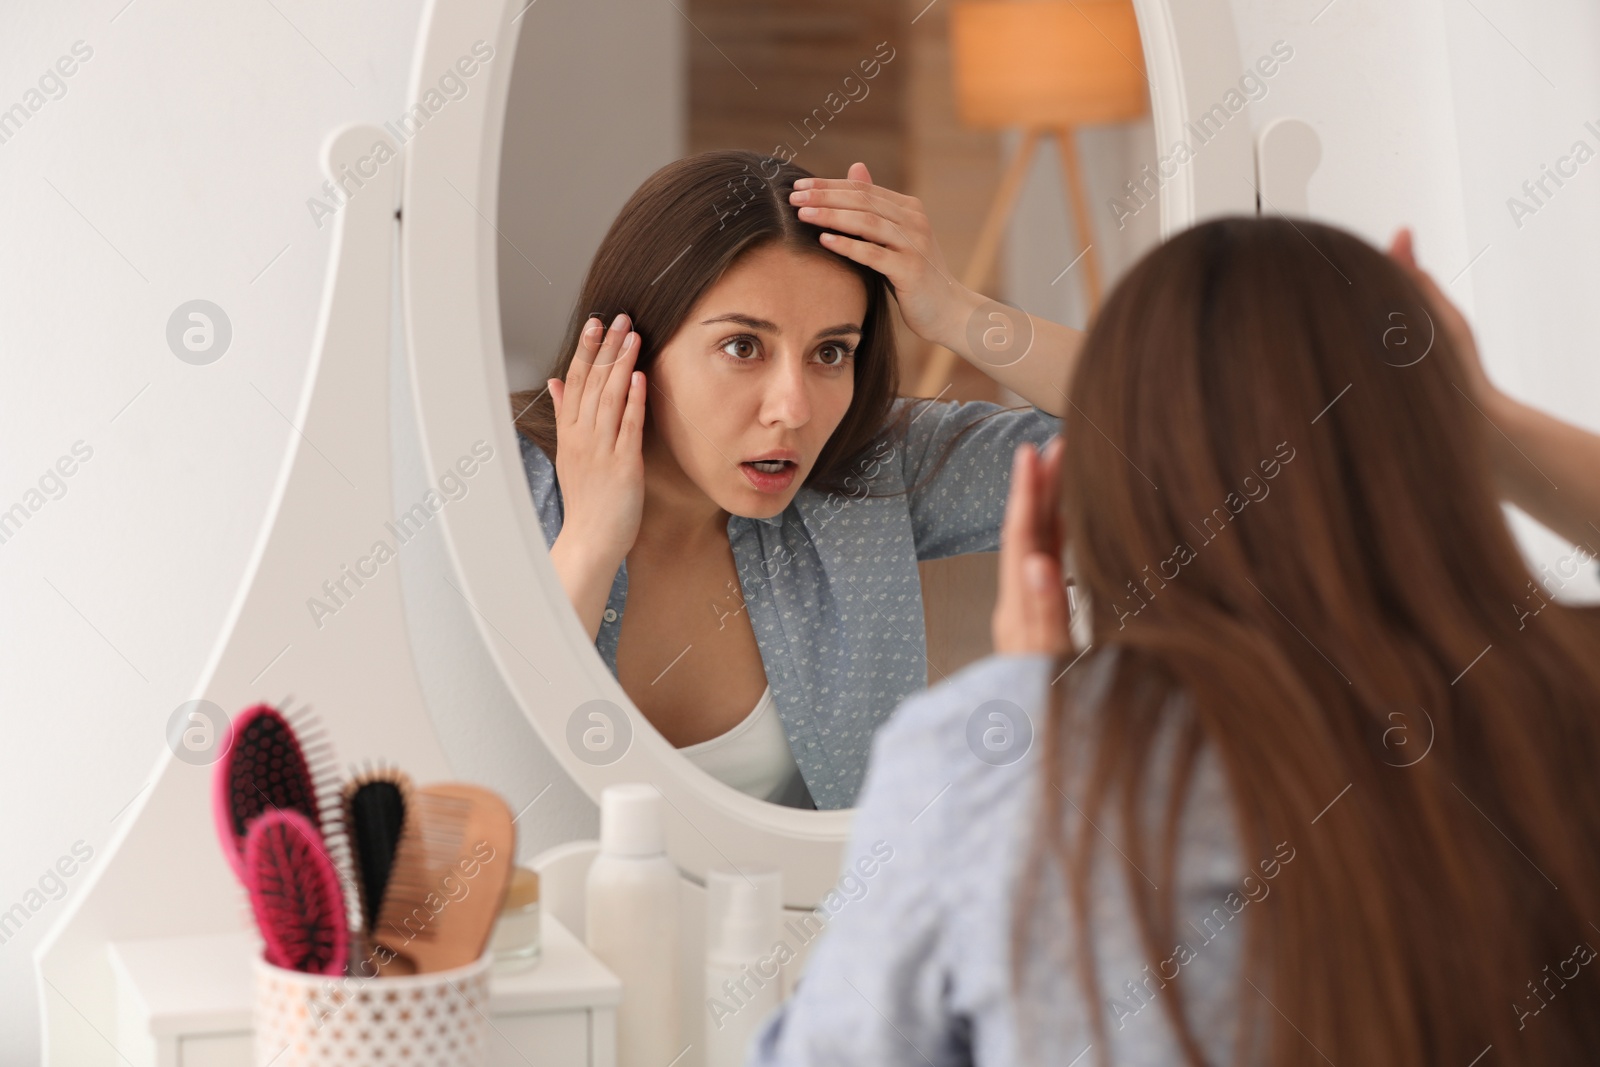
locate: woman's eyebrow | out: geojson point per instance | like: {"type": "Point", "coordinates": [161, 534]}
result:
{"type": "Point", "coordinates": [753, 323]}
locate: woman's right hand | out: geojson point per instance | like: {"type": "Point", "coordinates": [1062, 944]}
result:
{"type": "Point", "coordinates": [1450, 320]}
{"type": "Point", "coordinates": [1531, 452]}
{"type": "Point", "coordinates": [599, 463]}
{"type": "Point", "coordinates": [1031, 612]}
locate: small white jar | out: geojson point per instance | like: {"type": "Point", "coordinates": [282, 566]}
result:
{"type": "Point", "coordinates": [516, 943]}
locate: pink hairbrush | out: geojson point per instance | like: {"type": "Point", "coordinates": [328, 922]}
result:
{"type": "Point", "coordinates": [294, 893]}
{"type": "Point", "coordinates": [265, 768]}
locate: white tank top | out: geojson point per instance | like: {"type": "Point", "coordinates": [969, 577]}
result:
{"type": "Point", "coordinates": [754, 757]}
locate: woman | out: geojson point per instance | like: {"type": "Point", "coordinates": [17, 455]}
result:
{"type": "Point", "coordinates": [743, 547]}
{"type": "Point", "coordinates": [1324, 790]}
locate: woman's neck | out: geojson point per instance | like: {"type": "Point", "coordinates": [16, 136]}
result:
{"type": "Point", "coordinates": [676, 512]}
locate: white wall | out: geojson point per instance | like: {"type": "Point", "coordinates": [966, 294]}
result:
{"type": "Point", "coordinates": [177, 164]}
{"type": "Point", "coordinates": [1526, 81]}
{"type": "Point", "coordinates": [1440, 118]}
{"type": "Point", "coordinates": [1444, 114]}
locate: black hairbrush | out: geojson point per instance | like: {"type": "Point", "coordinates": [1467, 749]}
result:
{"type": "Point", "coordinates": [374, 812]}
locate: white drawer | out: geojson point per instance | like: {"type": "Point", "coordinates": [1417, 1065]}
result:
{"type": "Point", "coordinates": [217, 1050]}
{"type": "Point", "coordinates": [186, 1002]}
{"type": "Point", "coordinates": [540, 1039]}
{"type": "Point", "coordinates": [547, 1039]}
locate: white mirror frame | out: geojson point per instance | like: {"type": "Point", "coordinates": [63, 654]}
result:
{"type": "Point", "coordinates": [452, 322]}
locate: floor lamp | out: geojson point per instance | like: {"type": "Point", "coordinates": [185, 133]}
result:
{"type": "Point", "coordinates": [1046, 66]}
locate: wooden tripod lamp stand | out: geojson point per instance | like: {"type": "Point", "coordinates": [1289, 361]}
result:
{"type": "Point", "coordinates": [1046, 66]}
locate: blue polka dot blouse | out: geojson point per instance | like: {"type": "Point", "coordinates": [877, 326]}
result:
{"type": "Point", "coordinates": [831, 582]}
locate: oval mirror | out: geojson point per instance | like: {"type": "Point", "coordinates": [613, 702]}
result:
{"type": "Point", "coordinates": [567, 109]}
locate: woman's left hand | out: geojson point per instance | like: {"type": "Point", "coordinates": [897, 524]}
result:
{"type": "Point", "coordinates": [894, 238]}
{"type": "Point", "coordinates": [1031, 614]}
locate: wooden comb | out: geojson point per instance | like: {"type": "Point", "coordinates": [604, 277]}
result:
{"type": "Point", "coordinates": [450, 876]}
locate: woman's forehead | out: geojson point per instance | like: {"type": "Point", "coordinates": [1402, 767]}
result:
{"type": "Point", "coordinates": [786, 288]}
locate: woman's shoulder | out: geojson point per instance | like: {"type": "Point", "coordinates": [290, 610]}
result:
{"type": "Point", "coordinates": [939, 710]}
{"type": "Point", "coordinates": [966, 439]}
{"type": "Point", "coordinates": [975, 732]}
{"type": "Point", "coordinates": [988, 714]}
{"type": "Point", "coordinates": [532, 455]}
{"type": "Point", "coordinates": [542, 486]}
{"type": "Point", "coordinates": [539, 468]}
{"type": "Point", "coordinates": [969, 756]}
{"type": "Point", "coordinates": [980, 732]}
{"type": "Point", "coordinates": [913, 429]}
{"type": "Point", "coordinates": [914, 418]}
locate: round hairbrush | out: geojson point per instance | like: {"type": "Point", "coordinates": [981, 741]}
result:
{"type": "Point", "coordinates": [295, 895]}
{"type": "Point", "coordinates": [265, 769]}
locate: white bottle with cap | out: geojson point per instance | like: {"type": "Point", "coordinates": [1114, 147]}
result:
{"type": "Point", "coordinates": [743, 981]}
{"type": "Point", "coordinates": [632, 920]}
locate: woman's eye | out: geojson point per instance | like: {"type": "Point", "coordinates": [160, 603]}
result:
{"type": "Point", "coordinates": [834, 355]}
{"type": "Point", "coordinates": [747, 349]}
{"type": "Point", "coordinates": [750, 345]}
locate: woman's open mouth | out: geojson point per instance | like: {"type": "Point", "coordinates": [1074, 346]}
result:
{"type": "Point", "coordinates": [770, 475]}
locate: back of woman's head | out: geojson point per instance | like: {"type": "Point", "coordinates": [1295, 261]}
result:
{"type": "Point", "coordinates": [1279, 502]}
{"type": "Point", "coordinates": [675, 237]}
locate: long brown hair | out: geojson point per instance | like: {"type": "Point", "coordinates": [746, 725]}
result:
{"type": "Point", "coordinates": [1294, 608]}
{"type": "Point", "coordinates": [673, 239]}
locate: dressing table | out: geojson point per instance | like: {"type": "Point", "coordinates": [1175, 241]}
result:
{"type": "Point", "coordinates": [150, 963]}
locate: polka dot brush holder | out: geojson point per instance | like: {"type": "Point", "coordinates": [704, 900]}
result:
{"type": "Point", "coordinates": [313, 1020]}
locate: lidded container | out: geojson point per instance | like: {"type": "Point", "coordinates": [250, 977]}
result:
{"type": "Point", "coordinates": [744, 957]}
{"type": "Point", "coordinates": [632, 922]}
{"type": "Point", "coordinates": [516, 943]}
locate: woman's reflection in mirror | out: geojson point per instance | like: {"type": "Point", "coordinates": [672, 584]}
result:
{"type": "Point", "coordinates": [735, 494]}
